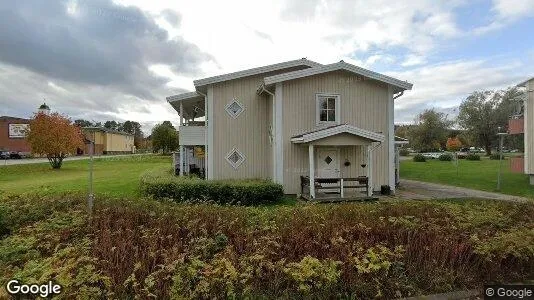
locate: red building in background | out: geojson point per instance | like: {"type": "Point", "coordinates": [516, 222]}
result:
{"type": "Point", "coordinates": [12, 136]}
{"type": "Point", "coordinates": [13, 133]}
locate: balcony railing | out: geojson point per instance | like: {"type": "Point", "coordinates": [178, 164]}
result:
{"type": "Point", "coordinates": [516, 124]}
{"type": "Point", "coordinates": [192, 135]}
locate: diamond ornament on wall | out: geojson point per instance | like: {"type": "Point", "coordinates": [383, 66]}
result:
{"type": "Point", "coordinates": [235, 158]}
{"type": "Point", "coordinates": [328, 160]}
{"type": "Point", "coordinates": [234, 108]}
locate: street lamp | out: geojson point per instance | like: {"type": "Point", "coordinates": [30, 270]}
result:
{"type": "Point", "coordinates": [501, 137]}
{"type": "Point", "coordinates": [90, 195]}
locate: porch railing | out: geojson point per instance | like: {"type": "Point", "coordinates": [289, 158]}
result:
{"type": "Point", "coordinates": [341, 184]}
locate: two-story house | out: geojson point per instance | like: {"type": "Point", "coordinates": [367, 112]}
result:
{"type": "Point", "coordinates": [294, 122]}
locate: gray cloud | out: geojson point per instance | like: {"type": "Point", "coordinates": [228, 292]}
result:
{"type": "Point", "coordinates": [96, 43]}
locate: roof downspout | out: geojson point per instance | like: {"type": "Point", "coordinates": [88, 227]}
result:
{"type": "Point", "coordinates": [398, 95]}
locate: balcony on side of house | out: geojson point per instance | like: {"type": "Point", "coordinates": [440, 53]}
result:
{"type": "Point", "coordinates": [516, 124]}
{"type": "Point", "coordinates": [193, 134]}
{"type": "Point", "coordinates": [517, 164]}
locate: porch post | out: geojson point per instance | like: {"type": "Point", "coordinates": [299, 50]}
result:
{"type": "Point", "coordinates": [182, 154]}
{"type": "Point", "coordinates": [369, 172]}
{"type": "Point", "coordinates": [312, 171]}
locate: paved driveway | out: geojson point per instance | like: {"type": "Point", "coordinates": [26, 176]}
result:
{"type": "Point", "coordinates": [411, 189]}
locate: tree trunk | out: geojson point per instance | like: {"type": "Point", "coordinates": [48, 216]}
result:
{"type": "Point", "coordinates": [56, 160]}
{"type": "Point", "coordinates": [488, 149]}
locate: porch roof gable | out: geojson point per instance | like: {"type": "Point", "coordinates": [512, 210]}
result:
{"type": "Point", "coordinates": [192, 102]}
{"type": "Point", "coordinates": [335, 130]}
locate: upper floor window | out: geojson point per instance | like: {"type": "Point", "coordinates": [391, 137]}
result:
{"type": "Point", "coordinates": [328, 110]}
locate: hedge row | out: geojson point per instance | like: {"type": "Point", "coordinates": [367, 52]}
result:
{"type": "Point", "coordinates": [162, 184]}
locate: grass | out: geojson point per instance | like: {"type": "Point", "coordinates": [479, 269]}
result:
{"type": "Point", "coordinates": [480, 175]}
{"type": "Point", "coordinates": [115, 176]}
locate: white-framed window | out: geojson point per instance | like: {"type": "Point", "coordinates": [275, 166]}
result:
{"type": "Point", "coordinates": [234, 108]}
{"type": "Point", "coordinates": [328, 111]}
{"type": "Point", "coordinates": [235, 158]}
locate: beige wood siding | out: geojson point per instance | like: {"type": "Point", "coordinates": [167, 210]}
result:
{"type": "Point", "coordinates": [118, 142]}
{"type": "Point", "coordinates": [363, 103]}
{"type": "Point", "coordinates": [249, 132]}
{"type": "Point", "coordinates": [529, 129]}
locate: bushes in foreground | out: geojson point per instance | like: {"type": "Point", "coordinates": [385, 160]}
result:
{"type": "Point", "coordinates": [149, 249]}
{"type": "Point", "coordinates": [446, 157]}
{"type": "Point", "coordinates": [472, 156]}
{"type": "Point", "coordinates": [419, 158]}
{"type": "Point", "coordinates": [161, 184]}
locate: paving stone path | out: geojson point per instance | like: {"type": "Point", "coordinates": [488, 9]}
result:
{"type": "Point", "coordinates": [412, 189]}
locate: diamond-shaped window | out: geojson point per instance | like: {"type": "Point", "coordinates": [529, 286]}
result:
{"type": "Point", "coordinates": [234, 108]}
{"type": "Point", "coordinates": [235, 158]}
{"type": "Point", "coordinates": [328, 160]}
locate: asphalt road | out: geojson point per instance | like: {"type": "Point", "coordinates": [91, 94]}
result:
{"type": "Point", "coordinates": [24, 161]}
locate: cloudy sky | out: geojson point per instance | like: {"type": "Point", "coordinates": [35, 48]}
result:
{"type": "Point", "coordinates": [104, 59]}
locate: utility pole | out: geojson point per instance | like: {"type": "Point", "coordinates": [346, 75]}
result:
{"type": "Point", "coordinates": [90, 196]}
{"type": "Point", "coordinates": [501, 137]}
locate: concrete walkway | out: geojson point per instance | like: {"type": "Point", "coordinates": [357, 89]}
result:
{"type": "Point", "coordinates": [24, 161]}
{"type": "Point", "coordinates": [411, 189]}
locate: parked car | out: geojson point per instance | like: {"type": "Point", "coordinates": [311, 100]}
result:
{"type": "Point", "coordinates": [462, 153]}
{"type": "Point", "coordinates": [431, 155]}
{"type": "Point", "coordinates": [4, 154]}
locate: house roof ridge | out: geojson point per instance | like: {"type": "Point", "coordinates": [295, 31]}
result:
{"type": "Point", "coordinates": [341, 65]}
{"type": "Point", "coordinates": [255, 71]}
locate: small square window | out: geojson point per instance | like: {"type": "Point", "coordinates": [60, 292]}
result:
{"type": "Point", "coordinates": [327, 109]}
{"type": "Point", "coordinates": [234, 108]}
{"type": "Point", "coordinates": [235, 158]}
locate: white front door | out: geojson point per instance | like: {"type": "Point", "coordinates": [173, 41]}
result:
{"type": "Point", "coordinates": [328, 163]}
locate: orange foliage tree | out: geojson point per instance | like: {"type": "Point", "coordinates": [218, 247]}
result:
{"type": "Point", "coordinates": [55, 136]}
{"type": "Point", "coordinates": [454, 144]}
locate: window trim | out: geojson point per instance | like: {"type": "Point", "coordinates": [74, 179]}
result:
{"type": "Point", "coordinates": [318, 121]}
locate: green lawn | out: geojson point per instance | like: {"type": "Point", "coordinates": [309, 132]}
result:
{"type": "Point", "coordinates": [481, 175]}
{"type": "Point", "coordinates": [117, 176]}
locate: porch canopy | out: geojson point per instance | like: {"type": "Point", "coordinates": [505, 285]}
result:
{"type": "Point", "coordinates": [188, 105]}
{"type": "Point", "coordinates": [338, 135]}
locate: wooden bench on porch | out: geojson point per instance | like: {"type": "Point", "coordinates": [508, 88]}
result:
{"type": "Point", "coordinates": [360, 182]}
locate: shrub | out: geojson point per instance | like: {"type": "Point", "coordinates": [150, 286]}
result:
{"type": "Point", "coordinates": [446, 157]}
{"type": "Point", "coordinates": [404, 152]}
{"type": "Point", "coordinates": [496, 156]}
{"type": "Point", "coordinates": [161, 184]}
{"type": "Point", "coordinates": [419, 158]}
{"type": "Point", "coordinates": [472, 156]}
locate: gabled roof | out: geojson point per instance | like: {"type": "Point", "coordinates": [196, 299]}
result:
{"type": "Point", "coordinates": [524, 83]}
{"type": "Point", "coordinates": [255, 71]}
{"type": "Point", "coordinates": [401, 85]}
{"type": "Point", "coordinates": [335, 130]}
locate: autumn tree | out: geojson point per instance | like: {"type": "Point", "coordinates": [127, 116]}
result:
{"type": "Point", "coordinates": [55, 136]}
{"type": "Point", "coordinates": [454, 144]}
